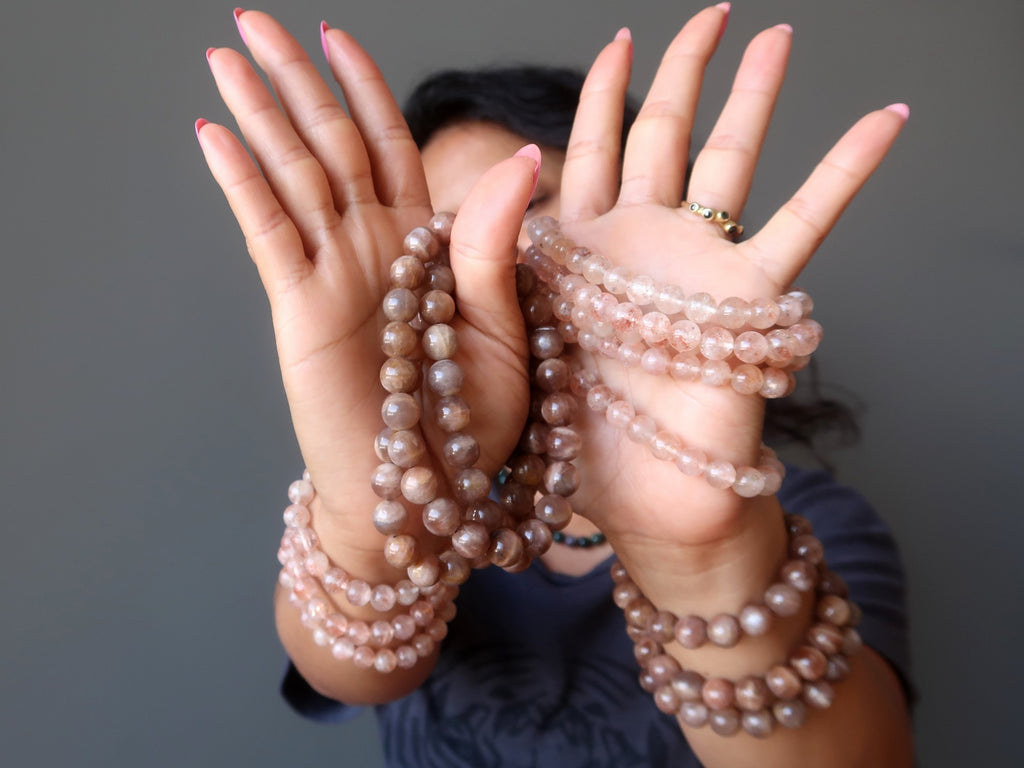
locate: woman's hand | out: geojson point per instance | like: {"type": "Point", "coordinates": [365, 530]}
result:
{"type": "Point", "coordinates": [324, 208]}
{"type": "Point", "coordinates": [656, 517]}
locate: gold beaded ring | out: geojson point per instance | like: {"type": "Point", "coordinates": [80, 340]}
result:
{"type": "Point", "coordinates": [721, 218]}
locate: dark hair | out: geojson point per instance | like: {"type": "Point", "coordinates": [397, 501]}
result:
{"type": "Point", "coordinates": [539, 104]}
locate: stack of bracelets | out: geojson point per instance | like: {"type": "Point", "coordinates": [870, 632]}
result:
{"type": "Point", "coordinates": [569, 296]}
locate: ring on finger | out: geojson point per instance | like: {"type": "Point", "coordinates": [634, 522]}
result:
{"type": "Point", "coordinates": [721, 218]}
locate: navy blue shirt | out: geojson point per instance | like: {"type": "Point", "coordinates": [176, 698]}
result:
{"type": "Point", "coordinates": [537, 669]}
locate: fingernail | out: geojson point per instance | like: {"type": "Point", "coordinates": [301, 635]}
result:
{"type": "Point", "coordinates": [209, 52]}
{"type": "Point", "coordinates": [323, 39]}
{"type": "Point", "coordinates": [624, 34]}
{"type": "Point", "coordinates": [531, 151]}
{"type": "Point", "coordinates": [199, 126]}
{"type": "Point", "coordinates": [784, 28]}
{"type": "Point", "coordinates": [238, 23]}
{"type": "Point", "coordinates": [724, 7]}
{"type": "Point", "coordinates": [900, 109]}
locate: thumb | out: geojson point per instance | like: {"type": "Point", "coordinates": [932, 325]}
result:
{"type": "Point", "coordinates": [483, 244]}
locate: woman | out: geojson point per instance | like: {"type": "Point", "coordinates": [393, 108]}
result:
{"type": "Point", "coordinates": [323, 223]}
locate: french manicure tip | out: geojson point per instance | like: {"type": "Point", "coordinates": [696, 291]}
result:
{"type": "Point", "coordinates": [624, 34]}
{"type": "Point", "coordinates": [199, 125]}
{"type": "Point", "coordinates": [900, 109]}
{"type": "Point", "coordinates": [785, 27]}
{"type": "Point", "coordinates": [724, 7]}
{"type": "Point", "coordinates": [209, 52]}
{"type": "Point", "coordinates": [237, 13]}
{"type": "Point", "coordinates": [323, 39]}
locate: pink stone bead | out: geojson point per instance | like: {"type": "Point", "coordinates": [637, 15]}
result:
{"type": "Point", "coordinates": [537, 227]}
{"type": "Point", "coordinates": [296, 516]}
{"type": "Point", "coordinates": [454, 568]}
{"type": "Point", "coordinates": [563, 443]}
{"type": "Point", "coordinates": [358, 592]}
{"type": "Point", "coordinates": [441, 516]}
{"type": "Point", "coordinates": [762, 313]}
{"type": "Point", "coordinates": [685, 367]}
{"type": "Point", "coordinates": [335, 580]}
{"type": "Point", "coordinates": [599, 398]}
{"type": "Point", "coordinates": [390, 517]}
{"type": "Point", "coordinates": [700, 308]}
{"type": "Point", "coordinates": [364, 657]}
{"type": "Point", "coordinates": [406, 656]}
{"type": "Point", "coordinates": [440, 342]}
{"type": "Point", "coordinates": [749, 482]}
{"type": "Point", "coordinates": [780, 348]}
{"type": "Point", "coordinates": [576, 261]}
{"type": "Point", "coordinates": [684, 335]}
{"type": "Point", "coordinates": [461, 451]}
{"type": "Point", "coordinates": [585, 295]}
{"type": "Point", "coordinates": [666, 446]}
{"type": "Point", "coordinates": [343, 649]}
{"type": "Point", "coordinates": [385, 661]}
{"type": "Point", "coordinates": [306, 539]}
{"type": "Point", "coordinates": [406, 593]}
{"type": "Point", "coordinates": [301, 492]}
{"type": "Point", "coordinates": [777, 383]}
{"type": "Point", "coordinates": [772, 479]}
{"type": "Point", "coordinates": [425, 571]}
{"type": "Point", "coordinates": [747, 379]}
{"type": "Point", "coordinates": [715, 373]}
{"type": "Point", "coordinates": [641, 290]}
{"type": "Point", "coordinates": [471, 484]}
{"type": "Point", "coordinates": [626, 317]}
{"type": "Point", "coordinates": [654, 327]}
{"type": "Point", "coordinates": [400, 411]}
{"type": "Point", "coordinates": [404, 627]}
{"type": "Point", "coordinates": [336, 625]}
{"type": "Point", "coordinates": [471, 540]}
{"type": "Point", "coordinates": [546, 343]}
{"type": "Point", "coordinates": [732, 313]}
{"type": "Point", "coordinates": [641, 429]}
{"type": "Point", "coordinates": [620, 413]}
{"type": "Point", "coordinates": [561, 308]}
{"type": "Point", "coordinates": [423, 644]}
{"type": "Point", "coordinates": [625, 593]}
{"type": "Point", "coordinates": [782, 599]}
{"type": "Point", "coordinates": [716, 343]}
{"type": "Point", "coordinates": [692, 462]}
{"type": "Point", "coordinates": [630, 354]}
{"type": "Point", "coordinates": [718, 693]}
{"type": "Point", "coordinates": [756, 620]}
{"type": "Point", "coordinates": [694, 713]}
{"type": "Point", "coordinates": [552, 375]}
{"type": "Point", "coordinates": [382, 598]}
{"type": "Point", "coordinates": [806, 335]}
{"type": "Point", "coordinates": [750, 347]}
{"type": "Point", "coordinates": [670, 299]}
{"type": "Point", "coordinates": [588, 341]}
{"type": "Point", "coordinates": [654, 361]}
{"type": "Point", "coordinates": [359, 632]}
{"type": "Point", "coordinates": [595, 268]}
{"type": "Point", "coordinates": [617, 279]}
{"type": "Point", "coordinates": [437, 307]}
{"type": "Point", "coordinates": [437, 630]}
{"type": "Point", "coordinates": [316, 563]}
{"type": "Point", "coordinates": [720, 474]}
{"type": "Point", "coordinates": [559, 409]}
{"type": "Point", "coordinates": [790, 310]}
{"type": "Point", "coordinates": [381, 633]}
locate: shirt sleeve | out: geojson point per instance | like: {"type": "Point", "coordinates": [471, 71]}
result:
{"type": "Point", "coordinates": [859, 547]}
{"type": "Point", "coordinates": [307, 702]}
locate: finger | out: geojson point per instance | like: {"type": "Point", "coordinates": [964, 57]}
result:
{"type": "Point", "coordinates": [293, 173]}
{"type": "Point", "coordinates": [394, 157]}
{"type": "Point", "coordinates": [724, 169]}
{"type": "Point", "coordinates": [314, 112]}
{"type": "Point", "coordinates": [271, 237]}
{"type": "Point", "coordinates": [658, 146]}
{"type": "Point", "coordinates": [590, 176]}
{"type": "Point", "coordinates": [787, 242]}
{"type": "Point", "coordinates": [483, 252]}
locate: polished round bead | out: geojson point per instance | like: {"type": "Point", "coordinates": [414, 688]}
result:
{"type": "Point", "coordinates": [424, 571]}
{"type": "Point", "coordinates": [561, 478]}
{"type": "Point", "coordinates": [670, 299]}
{"type": "Point", "coordinates": [400, 305]}
{"type": "Point", "coordinates": [301, 492]}
{"type": "Point", "coordinates": [715, 373]}
{"type": "Point", "coordinates": [461, 451]}
{"type": "Point", "coordinates": [831, 583]}
{"type": "Point", "coordinates": [455, 569]}
{"type": "Point", "coordinates": [692, 462]}
{"type": "Point", "coordinates": [404, 627]}
{"type": "Point", "coordinates": [732, 313]}
{"type": "Point", "coordinates": [382, 598]}
{"type": "Point", "coordinates": [790, 310]}
{"type": "Point", "coordinates": [852, 641]}
{"type": "Point", "coordinates": [782, 599]}
{"type": "Point", "coordinates": [784, 682]}
{"type": "Point", "coordinates": [452, 413]}
{"type": "Point", "coordinates": [777, 383]}
{"type": "Point", "coordinates": [838, 669]}
{"type": "Point", "coordinates": [700, 308]}
{"type": "Point", "coordinates": [655, 362]}
{"type": "Point", "coordinates": [421, 243]}
{"type": "Point", "coordinates": [424, 645]}
{"type": "Point", "coordinates": [437, 307]}
{"type": "Point", "coordinates": [638, 613]}
{"type": "Point", "coordinates": [536, 538]}
{"type": "Point", "coordinates": [749, 482]}
{"type": "Point", "coordinates": [406, 448]}
{"type": "Point", "coordinates": [552, 375]}
{"type": "Point", "coordinates": [599, 398]}
{"type": "Point", "coordinates": [390, 517]}
{"type": "Point", "coordinates": [506, 548]}
{"type": "Point", "coordinates": [724, 722]}
{"type": "Point", "coordinates": [625, 593]}
{"type": "Point", "coordinates": [800, 575]}
{"type": "Point", "coordinates": [398, 339]}
{"type": "Point", "coordinates": [641, 429]}
{"type": "Point", "coordinates": [559, 409]}
{"type": "Point", "coordinates": [445, 378]}
{"type": "Point", "coordinates": [750, 347]}
{"type": "Point", "coordinates": [386, 481]}
{"type": "Point", "coordinates": [563, 443]}
{"type": "Point", "coordinates": [758, 724]}
{"type": "Point", "coordinates": [419, 485]}
{"type": "Point", "coordinates": [381, 442]}
{"type": "Point", "coordinates": [385, 661]}
{"type": "Point", "coordinates": [684, 335]}
{"type": "Point", "coordinates": [665, 446]}
{"type": "Point", "coordinates": [661, 627]}
{"type": "Point", "coordinates": [527, 469]}
{"type": "Point", "coordinates": [685, 367]}
{"type": "Point", "coordinates": [716, 343]}
{"type": "Point", "coordinates": [400, 411]}
{"type": "Point", "coordinates": [762, 313]}
{"type": "Point", "coordinates": [358, 592]}
{"type": "Point", "coordinates": [819, 694]}
{"type": "Point", "coordinates": [381, 633]}
{"type": "Point", "coordinates": [400, 550]}
{"type": "Point", "coordinates": [441, 225]}
{"type": "Point", "coordinates": [834, 610]}
{"type": "Point", "coordinates": [747, 379]}
{"type": "Point", "coordinates": [720, 474]}
{"type": "Point", "coordinates": [546, 343]}
{"type": "Point", "coordinates": [827, 638]}
{"type": "Point", "coordinates": [406, 593]}
{"type": "Point", "coordinates": [359, 632]}
{"type": "Point", "coordinates": [553, 510]}
{"type": "Point", "coordinates": [807, 336]}
{"type": "Point", "coordinates": [343, 649]}
{"type": "Point", "coordinates": [780, 348]}
{"type": "Point", "coordinates": [441, 516]}
{"type": "Point", "coordinates": [752, 694]}
{"type": "Point", "coordinates": [666, 699]}
{"type": "Point", "coordinates": [619, 413]}
{"type": "Point", "coordinates": [790, 714]}
{"type": "Point", "coordinates": [694, 713]}
{"type": "Point", "coordinates": [809, 662]}
{"type": "Point", "coordinates": [654, 327]}
{"type": "Point", "coordinates": [471, 485]}
{"type": "Point", "coordinates": [808, 548]}
{"type": "Point", "coordinates": [689, 685]}
{"type": "Point", "coordinates": [440, 278]}
{"type": "Point", "coordinates": [484, 511]}
{"type": "Point", "coordinates": [399, 375]}
{"type": "Point", "coordinates": [440, 342]}
{"type": "Point", "coordinates": [471, 540]}
{"type": "Point", "coordinates": [641, 290]}
{"type": "Point", "coordinates": [756, 620]}
{"type": "Point", "coordinates": [724, 630]}
{"type": "Point", "coordinates": [718, 693]}
{"type": "Point", "coordinates": [407, 272]}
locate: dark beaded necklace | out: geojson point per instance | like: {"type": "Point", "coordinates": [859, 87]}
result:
{"type": "Point", "coordinates": [583, 542]}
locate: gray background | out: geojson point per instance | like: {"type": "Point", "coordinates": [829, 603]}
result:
{"type": "Point", "coordinates": [145, 440]}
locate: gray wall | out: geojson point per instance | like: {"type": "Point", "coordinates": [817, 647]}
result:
{"type": "Point", "coordinates": [145, 441]}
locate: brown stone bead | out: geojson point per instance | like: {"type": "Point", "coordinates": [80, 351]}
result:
{"type": "Point", "coordinates": [784, 682]}
{"type": "Point", "coordinates": [400, 305]}
{"type": "Point", "coordinates": [437, 307]}
{"type": "Point", "coordinates": [663, 667]}
{"type": "Point", "coordinates": [807, 547]}
{"type": "Point", "coordinates": [808, 662]}
{"type": "Point", "coordinates": [635, 633]}
{"type": "Point", "coordinates": [398, 340]}
{"type": "Point", "coordinates": [724, 722]}
{"type": "Point", "coordinates": [536, 537]}
{"type": "Point", "coordinates": [442, 517]}
{"type": "Point", "coordinates": [688, 684]}
{"type": "Point", "coordinates": [407, 272]}
{"type": "Point", "coordinates": [756, 620]}
{"type": "Point", "coordinates": [563, 443]}
{"type": "Point", "coordinates": [471, 540]}
{"type": "Point", "coordinates": [452, 413]}
{"type": "Point", "coordinates": [554, 511]}
{"type": "Point", "coordinates": [406, 448]}
{"type": "Point", "coordinates": [424, 571]}
{"type": "Point", "coordinates": [691, 632]}
{"type": "Point", "coordinates": [461, 451]}
{"type": "Point", "coordinates": [827, 638]}
{"type": "Point", "coordinates": [534, 437]}
{"type": "Point", "coordinates": [724, 630]}
{"type": "Point", "coordinates": [625, 593]}
{"type": "Point", "coordinates": [485, 512]}
{"type": "Point", "coordinates": [618, 572]}
{"type": "Point", "coordinates": [390, 517]}
{"type": "Point", "coordinates": [526, 280]}
{"type": "Point", "coordinates": [399, 375]}
{"type": "Point", "coordinates": [537, 310]}
{"type": "Point", "coordinates": [694, 714]}
{"type": "Point", "coordinates": [528, 469]}
{"type": "Point", "coordinates": [400, 550]}
{"type": "Point", "coordinates": [797, 525]}
{"type": "Point", "coordinates": [381, 443]}
{"type": "Point", "coordinates": [644, 650]}
{"type": "Point", "coordinates": [441, 225]}
{"type": "Point", "coordinates": [471, 485]}
{"type": "Point", "coordinates": [662, 626]}
{"type": "Point", "coordinates": [831, 583]}
{"type": "Point", "coordinates": [419, 485]}
{"type": "Point", "coordinates": [400, 411]}
{"type": "Point", "coordinates": [752, 693]}
{"type": "Point", "coordinates": [455, 569]}
{"type": "Point", "coordinates": [445, 378]}
{"type": "Point", "coordinates": [855, 615]}
{"type": "Point", "coordinates": [819, 694]}
{"type": "Point", "coordinates": [718, 693]}
{"type": "Point", "coordinates": [546, 343]}
{"type": "Point", "coordinates": [552, 375]}
{"type": "Point", "coordinates": [647, 681]}
{"type": "Point", "coordinates": [421, 243]}
{"type": "Point", "coordinates": [506, 548]}
{"type": "Point", "coordinates": [838, 669]}
{"type": "Point", "coordinates": [440, 342]}
{"type": "Point", "coordinates": [386, 481]}
{"type": "Point", "coordinates": [638, 613]}
{"type": "Point", "coordinates": [440, 278]}
{"type": "Point", "coordinates": [834, 610]}
{"type": "Point", "coordinates": [800, 575]}
{"type": "Point", "coordinates": [790, 714]}
{"type": "Point", "coordinates": [561, 478]}
{"type": "Point", "coordinates": [516, 499]}
{"type": "Point", "coordinates": [559, 409]}
{"type": "Point", "coordinates": [667, 700]}
{"type": "Point", "coordinates": [758, 724]}
{"type": "Point", "coordinates": [782, 599]}
{"type": "Point", "coordinates": [851, 641]}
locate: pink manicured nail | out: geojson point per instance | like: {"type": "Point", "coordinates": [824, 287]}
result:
{"type": "Point", "coordinates": [209, 52]}
{"type": "Point", "coordinates": [724, 7]}
{"type": "Point", "coordinates": [238, 23]}
{"type": "Point", "coordinates": [624, 34]}
{"type": "Point", "coordinates": [323, 39]}
{"type": "Point", "coordinates": [900, 109]}
{"type": "Point", "coordinates": [785, 28]}
{"type": "Point", "coordinates": [199, 125]}
{"type": "Point", "coordinates": [531, 151]}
